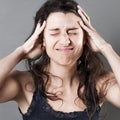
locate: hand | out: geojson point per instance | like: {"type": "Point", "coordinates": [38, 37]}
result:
{"type": "Point", "coordinates": [95, 41]}
{"type": "Point", "coordinates": [32, 48]}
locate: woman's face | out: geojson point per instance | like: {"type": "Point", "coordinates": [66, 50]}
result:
{"type": "Point", "coordinates": [63, 38]}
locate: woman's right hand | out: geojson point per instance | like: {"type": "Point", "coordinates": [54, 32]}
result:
{"type": "Point", "coordinates": [32, 48]}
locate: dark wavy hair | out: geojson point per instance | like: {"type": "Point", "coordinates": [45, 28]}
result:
{"type": "Point", "coordinates": [89, 65]}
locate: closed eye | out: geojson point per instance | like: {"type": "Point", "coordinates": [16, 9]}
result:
{"type": "Point", "coordinates": [54, 34]}
{"type": "Point", "coordinates": [73, 33]}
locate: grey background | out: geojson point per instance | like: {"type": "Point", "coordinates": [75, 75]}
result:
{"type": "Point", "coordinates": [16, 23]}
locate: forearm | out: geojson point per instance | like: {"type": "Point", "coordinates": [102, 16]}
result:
{"type": "Point", "coordinates": [9, 62]}
{"type": "Point", "coordinates": [114, 60]}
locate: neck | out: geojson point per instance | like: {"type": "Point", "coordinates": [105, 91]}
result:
{"type": "Point", "coordinates": [66, 73]}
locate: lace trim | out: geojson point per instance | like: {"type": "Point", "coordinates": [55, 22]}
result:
{"type": "Point", "coordinates": [59, 114]}
{"type": "Point", "coordinates": [38, 99]}
{"type": "Point", "coordinates": [32, 105]}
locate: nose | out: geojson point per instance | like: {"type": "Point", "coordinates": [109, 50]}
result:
{"type": "Point", "coordinates": [64, 39]}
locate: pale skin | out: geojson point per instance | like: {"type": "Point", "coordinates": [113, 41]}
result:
{"type": "Point", "coordinates": [61, 40]}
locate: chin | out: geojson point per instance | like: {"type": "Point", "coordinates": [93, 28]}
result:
{"type": "Point", "coordinates": [66, 63]}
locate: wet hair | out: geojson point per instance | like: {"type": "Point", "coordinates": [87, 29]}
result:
{"type": "Point", "coordinates": [89, 65]}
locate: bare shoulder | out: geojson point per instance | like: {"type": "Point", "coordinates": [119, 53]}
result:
{"type": "Point", "coordinates": [26, 81]}
{"type": "Point", "coordinates": [17, 85]}
{"type": "Point", "coordinates": [104, 83]}
{"type": "Point", "coordinates": [19, 75]}
{"type": "Point", "coordinates": [27, 87]}
{"type": "Point", "coordinates": [109, 87]}
{"type": "Point", "coordinates": [108, 77]}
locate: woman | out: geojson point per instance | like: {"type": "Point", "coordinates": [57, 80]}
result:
{"type": "Point", "coordinates": [66, 79]}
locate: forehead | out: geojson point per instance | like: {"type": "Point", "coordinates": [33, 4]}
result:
{"type": "Point", "coordinates": [59, 19]}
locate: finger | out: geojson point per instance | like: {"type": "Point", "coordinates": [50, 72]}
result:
{"type": "Point", "coordinates": [85, 20]}
{"type": "Point", "coordinates": [29, 44]}
{"type": "Point", "coordinates": [40, 28]}
{"type": "Point", "coordinates": [87, 29]}
{"type": "Point", "coordinates": [83, 17]}
{"type": "Point", "coordinates": [36, 52]}
{"type": "Point", "coordinates": [87, 17]}
{"type": "Point", "coordinates": [38, 31]}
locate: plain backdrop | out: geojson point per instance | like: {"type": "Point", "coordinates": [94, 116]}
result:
{"type": "Point", "coordinates": [16, 23]}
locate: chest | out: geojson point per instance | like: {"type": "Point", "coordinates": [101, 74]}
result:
{"type": "Point", "coordinates": [68, 103]}
{"type": "Point", "coordinates": [45, 109]}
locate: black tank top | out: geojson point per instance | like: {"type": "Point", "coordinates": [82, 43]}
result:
{"type": "Point", "coordinates": [41, 110]}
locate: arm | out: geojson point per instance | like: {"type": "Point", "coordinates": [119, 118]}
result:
{"type": "Point", "coordinates": [10, 87]}
{"type": "Point", "coordinates": [114, 60]}
{"type": "Point", "coordinates": [9, 84]}
{"type": "Point", "coordinates": [98, 44]}
{"type": "Point", "coordinates": [8, 63]}
{"type": "Point", "coordinates": [113, 93]}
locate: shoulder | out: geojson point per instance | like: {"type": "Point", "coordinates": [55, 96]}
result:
{"type": "Point", "coordinates": [104, 83]}
{"type": "Point", "coordinates": [24, 79]}
{"type": "Point", "coordinates": [111, 90]}
{"type": "Point", "coordinates": [26, 82]}
{"type": "Point", "coordinates": [27, 88]}
{"type": "Point", "coordinates": [15, 85]}
{"type": "Point", "coordinates": [108, 77]}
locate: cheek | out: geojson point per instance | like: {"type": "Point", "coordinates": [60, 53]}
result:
{"type": "Point", "coordinates": [78, 41]}
{"type": "Point", "coordinates": [48, 45]}
{"type": "Point", "coordinates": [46, 40]}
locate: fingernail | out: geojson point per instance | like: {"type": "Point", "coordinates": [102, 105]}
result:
{"type": "Point", "coordinates": [78, 6]}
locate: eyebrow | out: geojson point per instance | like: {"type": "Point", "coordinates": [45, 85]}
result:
{"type": "Point", "coordinates": [54, 29]}
{"type": "Point", "coordinates": [69, 29]}
{"type": "Point", "coordinates": [72, 29]}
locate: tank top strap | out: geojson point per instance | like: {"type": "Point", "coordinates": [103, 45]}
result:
{"type": "Point", "coordinates": [38, 96]}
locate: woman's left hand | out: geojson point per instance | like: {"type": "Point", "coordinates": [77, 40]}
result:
{"type": "Point", "coordinates": [96, 42]}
